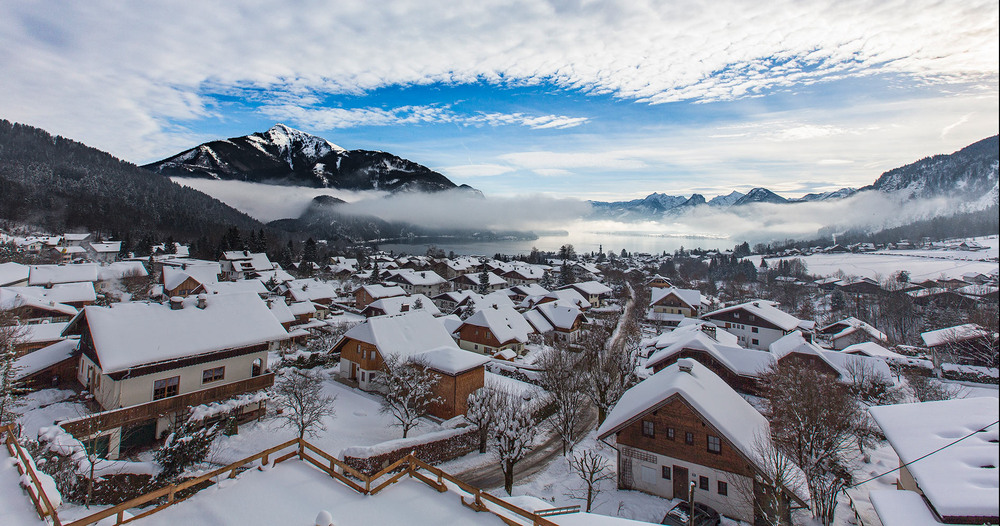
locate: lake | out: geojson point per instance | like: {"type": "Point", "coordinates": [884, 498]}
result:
{"type": "Point", "coordinates": [645, 242]}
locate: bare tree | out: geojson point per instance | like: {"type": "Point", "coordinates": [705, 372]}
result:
{"type": "Point", "coordinates": [813, 420]}
{"type": "Point", "coordinates": [972, 343]}
{"type": "Point", "coordinates": [482, 411]}
{"type": "Point", "coordinates": [408, 390]}
{"type": "Point", "coordinates": [869, 385]}
{"type": "Point", "coordinates": [927, 389]}
{"type": "Point", "coordinates": [300, 395]}
{"type": "Point", "coordinates": [565, 387]}
{"type": "Point", "coordinates": [593, 469]}
{"type": "Point", "coordinates": [513, 434]}
{"type": "Point", "coordinates": [608, 372]}
{"type": "Point", "coordinates": [768, 493]}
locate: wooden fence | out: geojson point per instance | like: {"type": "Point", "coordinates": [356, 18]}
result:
{"type": "Point", "coordinates": [38, 497]}
{"type": "Point", "coordinates": [409, 465]}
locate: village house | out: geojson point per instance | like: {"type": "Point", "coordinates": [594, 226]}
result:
{"type": "Point", "coordinates": [400, 304]}
{"type": "Point", "coordinates": [795, 347]}
{"type": "Point", "coordinates": [567, 297]}
{"type": "Point", "coordinates": [494, 329]}
{"type": "Point", "coordinates": [76, 295]}
{"type": "Point", "coordinates": [118, 273]}
{"type": "Point", "coordinates": [658, 282]}
{"type": "Point", "coordinates": [685, 424]}
{"type": "Point", "coordinates": [523, 275]}
{"type": "Point", "coordinates": [419, 338]}
{"type": "Point", "coordinates": [47, 275]}
{"type": "Point", "coordinates": [471, 282]}
{"type": "Point", "coordinates": [309, 289]}
{"type": "Point", "coordinates": [188, 279]}
{"type": "Point", "coordinates": [450, 269]}
{"type": "Point", "coordinates": [757, 324]}
{"type": "Point", "coordinates": [146, 364]}
{"type": "Point", "coordinates": [105, 252]}
{"type": "Point", "coordinates": [519, 293]}
{"type": "Point", "coordinates": [449, 301]}
{"type": "Point", "coordinates": [424, 282]}
{"type": "Point", "coordinates": [955, 485]}
{"type": "Point", "coordinates": [594, 292]}
{"type": "Point", "coordinates": [860, 286]}
{"type": "Point", "coordinates": [50, 366]}
{"type": "Point", "coordinates": [241, 264]}
{"type": "Point", "coordinates": [30, 308]}
{"type": "Point", "coordinates": [564, 322]}
{"type": "Point", "coordinates": [366, 294]}
{"type": "Point", "coordinates": [849, 331]}
{"type": "Point", "coordinates": [967, 344]}
{"type": "Point", "coordinates": [670, 305]}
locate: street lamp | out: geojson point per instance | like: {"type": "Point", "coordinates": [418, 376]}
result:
{"type": "Point", "coordinates": [691, 486]}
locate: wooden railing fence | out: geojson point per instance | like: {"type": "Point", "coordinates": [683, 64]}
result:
{"type": "Point", "coordinates": [38, 497]}
{"type": "Point", "coordinates": [409, 465]}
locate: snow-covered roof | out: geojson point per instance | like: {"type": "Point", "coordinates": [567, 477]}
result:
{"type": "Point", "coordinates": [558, 315]}
{"type": "Point", "coordinates": [538, 321]}
{"type": "Point", "coordinates": [741, 361]}
{"type": "Point", "coordinates": [872, 349]}
{"type": "Point", "coordinates": [953, 334]}
{"type": "Point", "coordinates": [851, 325]}
{"type": "Point", "coordinates": [960, 480]}
{"type": "Point", "coordinates": [203, 274]}
{"type": "Point", "coordinates": [504, 322]}
{"type": "Point", "coordinates": [232, 287]}
{"type": "Point", "coordinates": [451, 322]}
{"type": "Point", "coordinates": [43, 332]}
{"type": "Point", "coordinates": [78, 292]}
{"type": "Point", "coordinates": [381, 291]}
{"type": "Point", "coordinates": [902, 508]}
{"type": "Point", "coordinates": [45, 274]}
{"type": "Point", "coordinates": [12, 273]}
{"type": "Point", "coordinates": [417, 278]}
{"type": "Point", "coordinates": [451, 360]}
{"type": "Point", "coordinates": [122, 269]}
{"type": "Point", "coordinates": [33, 362]}
{"type": "Point", "coordinates": [707, 393]}
{"type": "Point", "coordinates": [107, 247]}
{"type": "Point", "coordinates": [592, 288]}
{"type": "Point", "coordinates": [492, 278]}
{"type": "Point", "coordinates": [299, 308]}
{"type": "Point", "coordinates": [128, 335]}
{"type": "Point", "coordinates": [310, 289]}
{"type": "Point", "coordinates": [394, 305]}
{"type": "Point", "coordinates": [530, 289]}
{"type": "Point", "coordinates": [569, 297]}
{"type": "Point", "coordinates": [76, 237]}
{"type": "Point", "coordinates": [527, 272]}
{"type": "Point", "coordinates": [689, 296]}
{"type": "Point", "coordinates": [10, 298]}
{"type": "Point", "coordinates": [402, 334]}
{"type": "Point", "coordinates": [280, 310]}
{"type": "Point", "coordinates": [765, 310]}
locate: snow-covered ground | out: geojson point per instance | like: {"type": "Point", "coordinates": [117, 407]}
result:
{"type": "Point", "coordinates": [15, 505]}
{"type": "Point", "coordinates": [921, 264]}
{"type": "Point", "coordinates": [45, 407]}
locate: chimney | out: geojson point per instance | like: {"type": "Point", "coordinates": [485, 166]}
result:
{"type": "Point", "coordinates": [176, 303]}
{"type": "Point", "coordinates": [404, 307]}
{"type": "Point", "coordinates": [709, 329]}
{"type": "Point", "coordinates": [202, 301]}
{"type": "Point", "coordinates": [686, 365]}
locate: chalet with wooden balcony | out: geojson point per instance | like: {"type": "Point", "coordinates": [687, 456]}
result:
{"type": "Point", "coordinates": [471, 282]}
{"type": "Point", "coordinates": [756, 324]}
{"type": "Point", "coordinates": [670, 305]}
{"type": "Point", "coordinates": [366, 294]}
{"type": "Point", "coordinates": [494, 329]}
{"type": "Point", "coordinates": [425, 282]}
{"type": "Point", "coordinates": [685, 424]}
{"type": "Point", "coordinates": [146, 364]}
{"type": "Point", "coordinates": [564, 322]}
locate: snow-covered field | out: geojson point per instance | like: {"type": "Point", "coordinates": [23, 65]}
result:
{"type": "Point", "coordinates": [921, 264]}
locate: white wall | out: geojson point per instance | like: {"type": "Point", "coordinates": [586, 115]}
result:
{"type": "Point", "coordinates": [744, 333]}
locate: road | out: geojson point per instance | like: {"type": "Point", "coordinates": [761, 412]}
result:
{"type": "Point", "coordinates": [489, 477]}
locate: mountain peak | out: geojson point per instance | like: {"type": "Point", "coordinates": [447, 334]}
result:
{"type": "Point", "coordinates": [760, 195]}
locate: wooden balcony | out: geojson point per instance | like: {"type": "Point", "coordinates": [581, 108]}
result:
{"type": "Point", "coordinates": [126, 416]}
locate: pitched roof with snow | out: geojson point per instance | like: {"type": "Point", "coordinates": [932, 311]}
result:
{"type": "Point", "coordinates": [873, 350]}
{"type": "Point", "coordinates": [506, 324]}
{"type": "Point", "coordinates": [394, 305]}
{"type": "Point", "coordinates": [128, 335]}
{"type": "Point", "coordinates": [765, 310]}
{"type": "Point", "coordinates": [531, 289]}
{"type": "Point", "coordinates": [451, 360]}
{"type": "Point", "coordinates": [11, 273]}
{"type": "Point", "coordinates": [745, 362]}
{"type": "Point", "coordinates": [850, 325]}
{"type": "Point", "coordinates": [280, 310]}
{"type": "Point", "coordinates": [310, 289]}
{"type": "Point", "coordinates": [106, 247]}
{"type": "Point", "coordinates": [10, 298]}
{"type": "Point", "coordinates": [953, 334]}
{"type": "Point", "coordinates": [402, 334]}
{"type": "Point", "coordinates": [592, 288]}
{"type": "Point", "coordinates": [36, 361]}
{"type": "Point", "coordinates": [558, 315]}
{"type": "Point", "coordinates": [381, 291]}
{"type": "Point", "coordinates": [45, 274]}
{"type": "Point", "coordinates": [690, 297]}
{"type": "Point", "coordinates": [122, 269]}
{"type": "Point", "coordinates": [960, 480]}
{"type": "Point", "coordinates": [203, 274]}
{"type": "Point", "coordinates": [232, 287]}
{"type": "Point", "coordinates": [795, 342]}
{"type": "Point", "coordinates": [707, 393]}
{"type": "Point", "coordinates": [417, 278]}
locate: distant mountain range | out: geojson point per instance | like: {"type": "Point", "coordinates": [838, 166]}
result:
{"type": "Point", "coordinates": [289, 157]}
{"type": "Point", "coordinates": [970, 174]}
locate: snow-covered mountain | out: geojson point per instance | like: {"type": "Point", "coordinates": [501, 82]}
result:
{"type": "Point", "coordinates": [823, 196]}
{"type": "Point", "coordinates": [286, 156]}
{"type": "Point", "coordinates": [760, 195]}
{"type": "Point", "coordinates": [970, 173]}
{"type": "Point", "coordinates": [725, 200]}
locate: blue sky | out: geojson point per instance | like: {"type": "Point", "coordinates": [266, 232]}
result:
{"type": "Point", "coordinates": [594, 100]}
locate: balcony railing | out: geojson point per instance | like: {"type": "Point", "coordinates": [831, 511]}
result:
{"type": "Point", "coordinates": [90, 424]}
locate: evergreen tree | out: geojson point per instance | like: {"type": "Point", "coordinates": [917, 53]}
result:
{"type": "Point", "coordinates": [546, 281]}
{"type": "Point", "coordinates": [309, 251]}
{"type": "Point", "coordinates": [484, 283]}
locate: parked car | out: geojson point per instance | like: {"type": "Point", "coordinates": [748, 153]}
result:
{"type": "Point", "coordinates": [703, 515]}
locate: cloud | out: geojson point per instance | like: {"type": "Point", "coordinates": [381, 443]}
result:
{"type": "Point", "coordinates": [320, 118]}
{"type": "Point", "coordinates": [476, 170]}
{"type": "Point", "coordinates": [129, 77]}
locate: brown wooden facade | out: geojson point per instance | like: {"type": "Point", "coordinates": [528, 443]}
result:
{"type": "Point", "coordinates": [454, 390]}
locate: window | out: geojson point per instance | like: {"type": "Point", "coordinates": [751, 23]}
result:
{"type": "Point", "coordinates": [166, 388]}
{"type": "Point", "coordinates": [723, 488]}
{"type": "Point", "coordinates": [665, 472]}
{"type": "Point", "coordinates": [689, 438]}
{"type": "Point", "coordinates": [755, 341]}
{"type": "Point", "coordinates": [714, 444]}
{"type": "Point", "coordinates": [647, 429]}
{"type": "Point", "coordinates": [736, 315]}
{"type": "Point", "coordinates": [213, 375]}
{"type": "Point", "coordinates": [670, 433]}
{"type": "Point", "coordinates": [753, 329]}
{"type": "Point", "coordinates": [703, 483]}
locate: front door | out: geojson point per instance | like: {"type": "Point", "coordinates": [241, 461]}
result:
{"type": "Point", "coordinates": [680, 483]}
{"type": "Point", "coordinates": [354, 371]}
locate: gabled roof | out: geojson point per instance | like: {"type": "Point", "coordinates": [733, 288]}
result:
{"type": "Point", "coordinates": [956, 479]}
{"type": "Point", "coordinates": [709, 395]}
{"type": "Point", "coordinates": [203, 274]}
{"type": "Point", "coordinates": [795, 342]}
{"type": "Point", "coordinates": [850, 325]}
{"type": "Point", "coordinates": [592, 288]}
{"type": "Point", "coordinates": [451, 360]}
{"type": "Point", "coordinates": [11, 273]}
{"type": "Point", "coordinates": [690, 297]}
{"type": "Point", "coordinates": [953, 334]}
{"type": "Point", "coordinates": [106, 247]}
{"type": "Point", "coordinates": [381, 291]}
{"type": "Point", "coordinates": [558, 315]}
{"type": "Point", "coordinates": [128, 335]}
{"type": "Point", "coordinates": [416, 278]}
{"type": "Point", "coordinates": [531, 289]}
{"type": "Point", "coordinates": [494, 280]}
{"type": "Point", "coordinates": [280, 310]}
{"type": "Point", "coordinates": [10, 298]}
{"type": "Point", "coordinates": [872, 349]}
{"type": "Point", "coordinates": [310, 289]}
{"type": "Point", "coordinates": [231, 287]}
{"type": "Point", "coordinates": [122, 269]}
{"type": "Point", "coordinates": [394, 305]}
{"type": "Point", "coordinates": [78, 292]}
{"type": "Point", "coordinates": [744, 362]}
{"type": "Point", "coordinates": [404, 334]}
{"type": "Point", "coordinates": [46, 274]}
{"type": "Point", "coordinates": [504, 322]}
{"type": "Point", "coordinates": [763, 309]}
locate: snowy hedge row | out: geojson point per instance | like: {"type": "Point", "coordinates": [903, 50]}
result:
{"type": "Point", "coordinates": [432, 448]}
